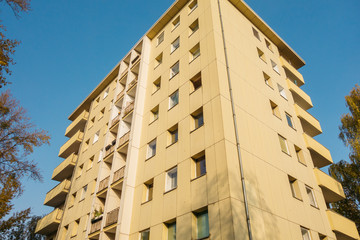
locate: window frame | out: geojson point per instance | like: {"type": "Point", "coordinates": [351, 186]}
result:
{"type": "Point", "coordinates": [151, 149]}
{"type": "Point", "coordinates": [173, 101]}
{"type": "Point", "coordinates": [171, 184]}
{"type": "Point", "coordinates": [175, 66]}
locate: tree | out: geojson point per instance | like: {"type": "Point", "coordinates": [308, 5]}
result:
{"type": "Point", "coordinates": [348, 173]}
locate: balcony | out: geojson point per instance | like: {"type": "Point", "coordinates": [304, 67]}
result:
{"type": "Point", "coordinates": [57, 195]}
{"type": "Point", "coordinates": [124, 139]}
{"type": "Point", "coordinates": [331, 188]}
{"type": "Point", "coordinates": [310, 124]}
{"type": "Point", "coordinates": [115, 121]}
{"type": "Point", "coordinates": [95, 227]}
{"type": "Point", "coordinates": [112, 217]}
{"type": "Point", "coordinates": [300, 97]}
{"type": "Point", "coordinates": [320, 155]}
{"type": "Point", "coordinates": [72, 145]}
{"type": "Point", "coordinates": [103, 187]}
{"type": "Point", "coordinates": [132, 84]}
{"type": "Point", "coordinates": [120, 95]}
{"type": "Point", "coordinates": [49, 223]}
{"type": "Point", "coordinates": [344, 228]}
{"type": "Point", "coordinates": [290, 70]}
{"type": "Point", "coordinates": [129, 108]}
{"type": "Point", "coordinates": [117, 179]}
{"type": "Point", "coordinates": [65, 169]}
{"type": "Point", "coordinates": [78, 124]}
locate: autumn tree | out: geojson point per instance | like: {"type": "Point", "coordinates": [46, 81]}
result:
{"type": "Point", "coordinates": [348, 172]}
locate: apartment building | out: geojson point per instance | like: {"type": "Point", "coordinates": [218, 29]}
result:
{"type": "Point", "coordinates": [200, 132]}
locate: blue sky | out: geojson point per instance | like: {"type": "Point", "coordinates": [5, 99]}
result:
{"type": "Point", "coordinates": [69, 46]}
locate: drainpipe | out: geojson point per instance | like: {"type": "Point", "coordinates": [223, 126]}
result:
{"type": "Point", "coordinates": [236, 129]}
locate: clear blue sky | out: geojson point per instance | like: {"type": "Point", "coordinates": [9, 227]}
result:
{"type": "Point", "coordinates": [69, 46]}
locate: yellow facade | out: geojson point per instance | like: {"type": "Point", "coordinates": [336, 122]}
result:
{"type": "Point", "coordinates": [154, 147]}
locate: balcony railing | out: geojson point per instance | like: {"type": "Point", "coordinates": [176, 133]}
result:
{"type": "Point", "coordinates": [309, 123]}
{"type": "Point", "coordinates": [119, 174]}
{"type": "Point", "coordinates": [132, 83]}
{"type": "Point", "coordinates": [96, 225]}
{"type": "Point", "coordinates": [292, 70]}
{"type": "Point", "coordinates": [135, 60]}
{"type": "Point", "coordinates": [331, 188]}
{"type": "Point", "coordinates": [65, 169]}
{"type": "Point", "coordinates": [72, 145]}
{"type": "Point", "coordinates": [129, 108]}
{"type": "Point", "coordinates": [49, 223]}
{"type": "Point", "coordinates": [124, 139]}
{"type": "Point", "coordinates": [344, 228]}
{"type": "Point", "coordinates": [320, 155]}
{"type": "Point", "coordinates": [300, 97]}
{"type": "Point", "coordinates": [58, 194]}
{"type": "Point", "coordinates": [112, 217]}
{"type": "Point", "coordinates": [103, 184]}
{"type": "Point", "coordinates": [120, 95]}
{"type": "Point", "coordinates": [115, 120]}
{"type": "Point", "coordinates": [110, 148]}
{"type": "Point", "coordinates": [77, 124]}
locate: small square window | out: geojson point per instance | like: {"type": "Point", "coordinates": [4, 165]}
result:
{"type": "Point", "coordinates": [275, 67]}
{"type": "Point", "coordinates": [86, 145]}
{"type": "Point", "coordinates": [171, 231]}
{"type": "Point", "coordinates": [151, 151]}
{"type": "Point", "coordinates": [106, 93]}
{"type": "Point", "coordinates": [289, 120]}
{"type": "Point", "coordinates": [195, 82]}
{"type": "Point", "coordinates": [261, 55]}
{"type": "Point", "coordinates": [171, 179]}
{"type": "Point", "coordinates": [310, 193]}
{"type": "Point", "coordinates": [145, 235]}
{"type": "Point", "coordinates": [100, 155]}
{"type": "Point", "coordinates": [176, 23]}
{"type": "Point", "coordinates": [294, 185]}
{"type": "Point", "coordinates": [282, 91]}
{"type": "Point", "coordinates": [268, 80]}
{"type": "Point", "coordinates": [80, 170]}
{"type": "Point", "coordinates": [194, 27]}
{"type": "Point", "coordinates": [158, 60]}
{"type": "Point", "coordinates": [197, 119]}
{"type": "Point", "coordinates": [154, 115]}
{"type": "Point", "coordinates": [174, 70]}
{"type": "Point", "coordinates": [300, 155]}
{"type": "Point", "coordinates": [268, 45]}
{"type": "Point", "coordinates": [97, 100]}
{"type": "Point", "coordinates": [73, 199]}
{"type": "Point", "coordinates": [175, 44]}
{"type": "Point", "coordinates": [173, 135]}
{"type": "Point", "coordinates": [96, 137]}
{"type": "Point", "coordinates": [275, 109]}
{"type": "Point", "coordinates": [156, 85]}
{"type": "Point", "coordinates": [195, 52]}
{"type": "Point", "coordinates": [284, 145]}
{"type": "Point", "coordinates": [83, 192]}
{"type": "Point", "coordinates": [322, 237]}
{"type": "Point", "coordinates": [256, 33]}
{"type": "Point", "coordinates": [305, 233]}
{"type": "Point", "coordinates": [192, 6]}
{"type": "Point", "coordinates": [90, 163]}
{"type": "Point", "coordinates": [102, 112]}
{"type": "Point", "coordinates": [202, 225]}
{"type": "Point", "coordinates": [199, 165]}
{"type": "Point", "coordinates": [160, 38]}
{"type": "Point", "coordinates": [148, 190]}
{"type": "Point", "coordinates": [174, 99]}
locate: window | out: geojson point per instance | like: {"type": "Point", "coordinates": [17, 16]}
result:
{"type": "Point", "coordinates": [91, 123]}
{"type": "Point", "coordinates": [171, 231]}
{"type": "Point", "coordinates": [106, 127]}
{"type": "Point", "coordinates": [173, 135]}
{"type": "Point", "coordinates": [75, 227]}
{"type": "Point", "coordinates": [294, 185]}
{"type": "Point", "coordinates": [145, 235]}
{"type": "Point", "coordinates": [80, 169]}
{"type": "Point", "coordinates": [268, 45]}
{"type": "Point", "coordinates": [194, 27]}
{"type": "Point", "coordinates": [149, 188]}
{"type": "Point", "coordinates": [106, 93]}
{"type": "Point", "coordinates": [256, 33]}
{"type": "Point", "coordinates": [300, 155]}
{"type": "Point", "coordinates": [175, 44]}
{"type": "Point", "coordinates": [202, 224]}
{"type": "Point", "coordinates": [322, 237]}
{"type": "Point", "coordinates": [282, 91]}
{"type": "Point", "coordinates": [102, 113]}
{"type": "Point", "coordinates": [156, 85]}
{"type": "Point", "coordinates": [96, 137]}
{"type": "Point", "coordinates": [275, 109]}
{"type": "Point", "coordinates": [275, 67]}
{"type": "Point", "coordinates": [158, 60]}
{"type": "Point", "coordinates": [151, 151]}
{"type": "Point", "coordinates": [192, 6]}
{"type": "Point", "coordinates": [310, 193]}
{"type": "Point", "coordinates": [100, 155]}
{"type": "Point", "coordinates": [83, 192]}
{"type": "Point", "coordinates": [305, 233]}
{"type": "Point", "coordinates": [174, 99]}
{"type": "Point", "coordinates": [86, 145]}
{"type": "Point", "coordinates": [171, 179]}
{"type": "Point", "coordinates": [283, 145]}
{"type": "Point", "coordinates": [154, 115]}
{"type": "Point", "coordinates": [199, 165]}
{"type": "Point", "coordinates": [268, 80]}
{"type": "Point", "coordinates": [90, 163]}
{"type": "Point", "coordinates": [197, 119]}
{"type": "Point", "coordinates": [289, 120]}
{"type": "Point", "coordinates": [195, 82]}
{"type": "Point", "coordinates": [160, 38]}
{"type": "Point", "coordinates": [261, 55]}
{"type": "Point", "coordinates": [72, 199]}
{"type": "Point", "coordinates": [176, 23]}
{"type": "Point", "coordinates": [174, 70]}
{"type": "Point", "coordinates": [195, 52]}
{"type": "Point", "coordinates": [97, 100]}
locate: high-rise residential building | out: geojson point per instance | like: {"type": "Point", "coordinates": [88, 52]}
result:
{"type": "Point", "coordinates": [200, 132]}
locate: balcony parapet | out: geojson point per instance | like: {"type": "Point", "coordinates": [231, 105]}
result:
{"type": "Point", "coordinates": [57, 195]}
{"type": "Point", "coordinates": [300, 97]}
{"type": "Point", "coordinates": [65, 169]}
{"type": "Point", "coordinates": [344, 228]}
{"type": "Point", "coordinates": [49, 223]}
{"type": "Point", "coordinates": [78, 124]}
{"type": "Point", "coordinates": [120, 95]}
{"type": "Point", "coordinates": [103, 184]}
{"type": "Point", "coordinates": [112, 217]}
{"type": "Point", "coordinates": [128, 108]}
{"type": "Point", "coordinates": [119, 174]}
{"type": "Point", "coordinates": [132, 84]}
{"type": "Point", "coordinates": [72, 145]}
{"type": "Point", "coordinates": [332, 189]}
{"type": "Point", "coordinates": [320, 155]}
{"type": "Point", "coordinates": [309, 123]}
{"type": "Point", "coordinates": [290, 69]}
